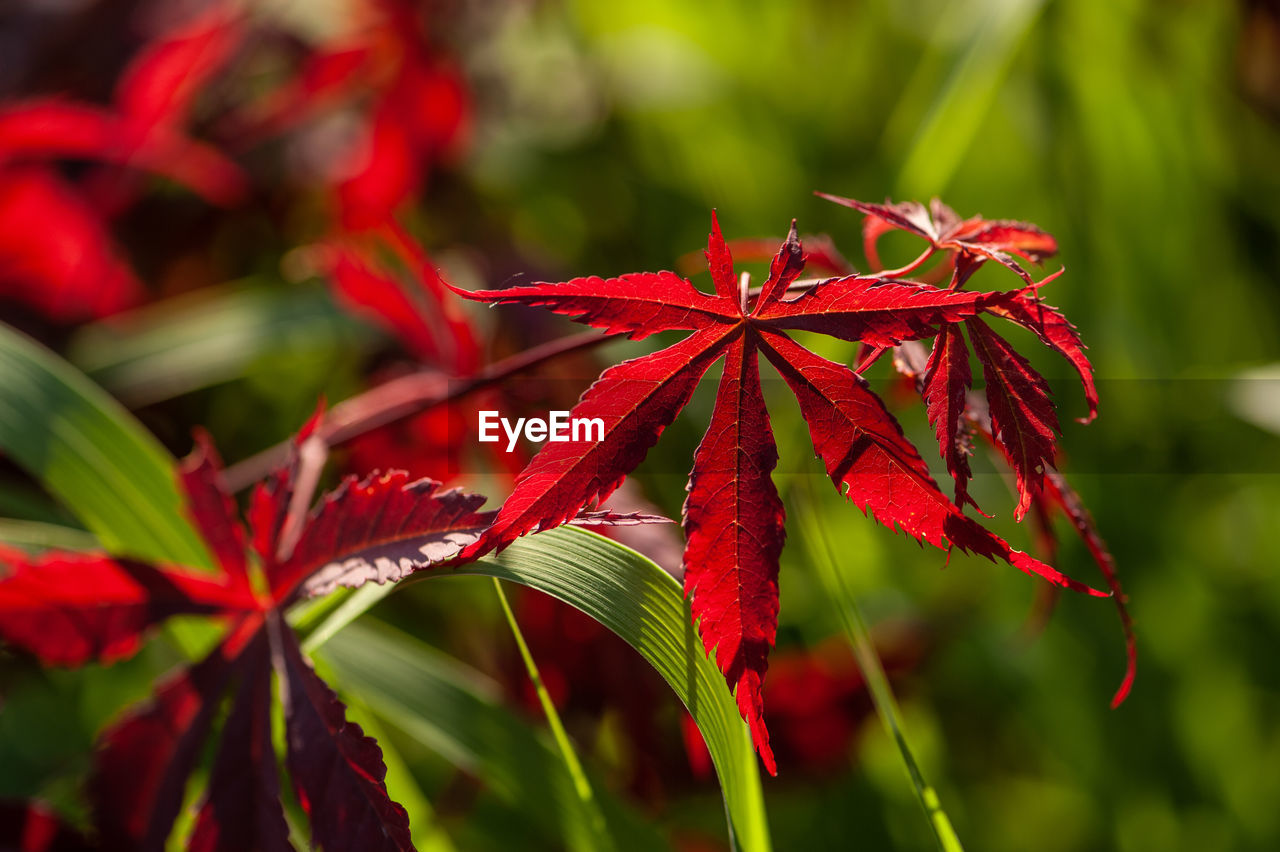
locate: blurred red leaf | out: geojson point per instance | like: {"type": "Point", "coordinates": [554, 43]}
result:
{"type": "Point", "coordinates": [144, 759]}
{"type": "Point", "coordinates": [50, 128]}
{"type": "Point", "coordinates": [164, 79]}
{"type": "Point", "coordinates": [33, 827]}
{"type": "Point", "coordinates": [55, 253]}
{"type": "Point", "coordinates": [68, 609]}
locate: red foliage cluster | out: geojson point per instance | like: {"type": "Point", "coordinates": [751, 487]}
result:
{"type": "Point", "coordinates": [69, 609]}
{"type": "Point", "coordinates": [733, 517]}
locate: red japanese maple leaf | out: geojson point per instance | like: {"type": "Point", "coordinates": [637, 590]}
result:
{"type": "Point", "coordinates": [974, 241]}
{"type": "Point", "coordinates": [68, 609]}
{"type": "Point", "coordinates": [1023, 414]}
{"type": "Point", "coordinates": [1051, 495]}
{"type": "Point", "coordinates": [733, 517]}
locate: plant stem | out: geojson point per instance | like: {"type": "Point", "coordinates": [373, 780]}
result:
{"type": "Point", "coordinates": [910, 267]}
{"type": "Point", "coordinates": [404, 397]}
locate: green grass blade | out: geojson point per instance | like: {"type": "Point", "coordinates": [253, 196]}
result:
{"type": "Point", "coordinates": [572, 765]}
{"type": "Point", "coordinates": [458, 712]}
{"type": "Point", "coordinates": [945, 133]}
{"type": "Point", "coordinates": [823, 560]}
{"type": "Point", "coordinates": [91, 454]}
{"type": "Point", "coordinates": [35, 536]}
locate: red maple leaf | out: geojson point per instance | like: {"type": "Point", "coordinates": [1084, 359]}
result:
{"type": "Point", "coordinates": [1024, 416]}
{"type": "Point", "coordinates": [733, 518]}
{"type": "Point", "coordinates": [1050, 495]}
{"type": "Point", "coordinates": [973, 241]}
{"type": "Point", "coordinates": [68, 609]}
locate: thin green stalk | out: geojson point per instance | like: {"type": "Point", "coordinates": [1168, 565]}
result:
{"type": "Point", "coordinates": [581, 785]}
{"type": "Point", "coordinates": [823, 559]}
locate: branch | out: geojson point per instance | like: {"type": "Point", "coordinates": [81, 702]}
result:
{"type": "Point", "coordinates": [404, 397]}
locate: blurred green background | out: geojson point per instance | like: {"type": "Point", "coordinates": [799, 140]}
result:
{"type": "Point", "coordinates": [1143, 135]}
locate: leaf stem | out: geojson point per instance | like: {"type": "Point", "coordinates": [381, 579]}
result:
{"type": "Point", "coordinates": [581, 785]}
{"type": "Point", "coordinates": [823, 559]}
{"type": "Point", "coordinates": [910, 267]}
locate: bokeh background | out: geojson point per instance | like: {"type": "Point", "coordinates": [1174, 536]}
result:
{"type": "Point", "coordinates": [572, 138]}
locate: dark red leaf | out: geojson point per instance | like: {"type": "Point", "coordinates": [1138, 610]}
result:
{"type": "Point", "coordinates": [873, 464]}
{"type": "Point", "coordinates": [733, 521]}
{"type": "Point", "coordinates": [144, 760]}
{"type": "Point", "coordinates": [1023, 417]}
{"type": "Point", "coordinates": [213, 510]}
{"type": "Point", "coordinates": [55, 253]}
{"type": "Point", "coordinates": [337, 771]}
{"type": "Point", "coordinates": [241, 807]}
{"type": "Point", "coordinates": [379, 530]}
{"type": "Point", "coordinates": [69, 609]}
{"type": "Point", "coordinates": [32, 827]}
{"type": "Point", "coordinates": [946, 381]}
{"type": "Point", "coordinates": [75, 608]}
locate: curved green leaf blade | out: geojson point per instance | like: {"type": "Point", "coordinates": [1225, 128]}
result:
{"type": "Point", "coordinates": [457, 712]}
{"type": "Point", "coordinates": [644, 605]}
{"type": "Point", "coordinates": [212, 335]}
{"type": "Point", "coordinates": [92, 455]}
